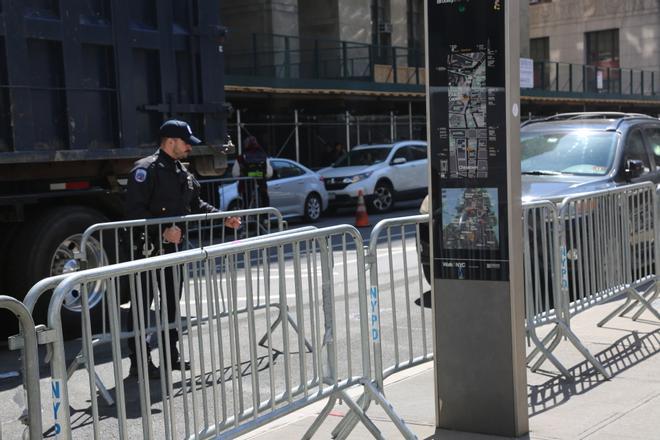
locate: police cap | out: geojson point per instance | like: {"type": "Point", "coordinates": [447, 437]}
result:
{"type": "Point", "coordinates": [178, 129]}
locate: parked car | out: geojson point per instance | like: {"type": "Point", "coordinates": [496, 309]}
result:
{"type": "Point", "coordinates": [384, 173]}
{"type": "Point", "coordinates": [296, 191]}
{"type": "Point", "coordinates": [580, 152]}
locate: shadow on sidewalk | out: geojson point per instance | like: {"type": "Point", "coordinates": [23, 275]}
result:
{"type": "Point", "coordinates": [625, 353]}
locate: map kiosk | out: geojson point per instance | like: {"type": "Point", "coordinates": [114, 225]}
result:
{"type": "Point", "coordinates": [472, 54]}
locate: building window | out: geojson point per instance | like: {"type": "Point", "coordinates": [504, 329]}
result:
{"type": "Point", "coordinates": [415, 32]}
{"type": "Point", "coordinates": [602, 59]}
{"type": "Point", "coordinates": [603, 48]}
{"type": "Point", "coordinates": [539, 48]}
{"type": "Point", "coordinates": [382, 30]}
{"type": "Point", "coordinates": [539, 51]}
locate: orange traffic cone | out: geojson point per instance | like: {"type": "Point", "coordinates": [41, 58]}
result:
{"type": "Point", "coordinates": [361, 217]}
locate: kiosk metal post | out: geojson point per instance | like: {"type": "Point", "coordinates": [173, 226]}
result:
{"type": "Point", "coordinates": [473, 94]}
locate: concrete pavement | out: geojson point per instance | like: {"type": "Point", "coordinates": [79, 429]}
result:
{"type": "Point", "coordinates": [626, 407]}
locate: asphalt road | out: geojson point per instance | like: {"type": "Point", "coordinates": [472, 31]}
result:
{"type": "Point", "coordinates": [216, 391]}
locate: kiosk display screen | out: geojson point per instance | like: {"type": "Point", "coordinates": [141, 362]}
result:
{"type": "Point", "coordinates": [467, 104]}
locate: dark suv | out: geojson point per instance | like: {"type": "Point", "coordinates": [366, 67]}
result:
{"type": "Point", "coordinates": [573, 153]}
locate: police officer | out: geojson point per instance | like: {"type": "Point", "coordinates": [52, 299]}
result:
{"type": "Point", "coordinates": [161, 186]}
{"type": "Point", "coordinates": [253, 163]}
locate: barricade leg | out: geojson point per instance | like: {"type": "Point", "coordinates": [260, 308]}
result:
{"type": "Point", "coordinates": [277, 322]}
{"type": "Point", "coordinates": [637, 299]}
{"type": "Point", "coordinates": [387, 407]}
{"type": "Point", "coordinates": [583, 350]}
{"type": "Point", "coordinates": [350, 420]}
{"type": "Point", "coordinates": [82, 360]}
{"type": "Point", "coordinates": [652, 293]}
{"type": "Point", "coordinates": [321, 418]}
{"type": "Point", "coordinates": [645, 304]}
{"type": "Point", "coordinates": [630, 307]}
{"type": "Point", "coordinates": [539, 345]}
{"type": "Point", "coordinates": [546, 353]}
{"type": "Point", "coordinates": [619, 311]}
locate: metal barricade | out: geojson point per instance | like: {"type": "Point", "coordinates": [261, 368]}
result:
{"type": "Point", "coordinates": [101, 332]}
{"type": "Point", "coordinates": [545, 270]}
{"type": "Point", "coordinates": [26, 341]}
{"type": "Point", "coordinates": [136, 239]}
{"type": "Point", "coordinates": [395, 273]}
{"type": "Point", "coordinates": [610, 239]}
{"type": "Point", "coordinates": [401, 328]}
{"type": "Point", "coordinates": [234, 384]}
{"type": "Point", "coordinates": [604, 244]}
{"type": "Point", "coordinates": [133, 239]}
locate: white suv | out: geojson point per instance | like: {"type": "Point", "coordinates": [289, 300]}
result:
{"type": "Point", "coordinates": [383, 172]}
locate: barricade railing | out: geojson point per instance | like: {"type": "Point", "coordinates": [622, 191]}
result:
{"type": "Point", "coordinates": [227, 390]}
{"type": "Point", "coordinates": [401, 337]}
{"type": "Point", "coordinates": [544, 270]}
{"type": "Point", "coordinates": [135, 239]}
{"type": "Point", "coordinates": [26, 341]}
{"type": "Point", "coordinates": [604, 244]}
{"type": "Point", "coordinates": [101, 331]}
{"type": "Point", "coordinates": [395, 272]}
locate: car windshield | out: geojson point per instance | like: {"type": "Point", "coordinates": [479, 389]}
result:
{"type": "Point", "coordinates": [363, 156]}
{"type": "Point", "coordinates": [583, 152]}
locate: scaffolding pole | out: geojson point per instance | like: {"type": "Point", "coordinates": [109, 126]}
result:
{"type": "Point", "coordinates": [295, 114]}
{"type": "Point", "coordinates": [348, 131]}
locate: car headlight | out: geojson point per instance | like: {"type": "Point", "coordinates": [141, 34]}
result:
{"type": "Point", "coordinates": [356, 178]}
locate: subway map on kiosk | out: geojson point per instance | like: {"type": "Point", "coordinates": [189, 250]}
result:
{"type": "Point", "coordinates": [468, 101]}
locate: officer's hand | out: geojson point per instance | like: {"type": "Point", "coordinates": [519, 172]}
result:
{"type": "Point", "coordinates": [172, 235]}
{"type": "Point", "coordinates": [233, 222]}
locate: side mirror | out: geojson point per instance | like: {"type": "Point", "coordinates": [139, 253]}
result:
{"type": "Point", "coordinates": [634, 168]}
{"type": "Point", "coordinates": [399, 161]}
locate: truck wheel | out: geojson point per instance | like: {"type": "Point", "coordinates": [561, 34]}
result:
{"type": "Point", "coordinates": [46, 247]}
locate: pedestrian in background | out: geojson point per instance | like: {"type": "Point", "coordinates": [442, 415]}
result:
{"type": "Point", "coordinates": [160, 186]}
{"type": "Point", "coordinates": [254, 163]}
{"type": "Point", "coordinates": [334, 154]}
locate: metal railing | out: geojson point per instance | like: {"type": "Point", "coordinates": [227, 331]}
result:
{"type": "Point", "coordinates": [591, 248]}
{"type": "Point", "coordinates": [26, 341]}
{"type": "Point", "coordinates": [291, 57]}
{"type": "Point", "coordinates": [225, 392]}
{"type": "Point", "coordinates": [401, 337]}
{"type": "Point", "coordinates": [581, 78]}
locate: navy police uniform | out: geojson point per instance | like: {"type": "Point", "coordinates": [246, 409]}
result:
{"type": "Point", "coordinates": [160, 186]}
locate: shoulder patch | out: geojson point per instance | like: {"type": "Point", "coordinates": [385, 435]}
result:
{"type": "Point", "coordinates": [140, 175]}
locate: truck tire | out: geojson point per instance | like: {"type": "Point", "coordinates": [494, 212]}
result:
{"type": "Point", "coordinates": [44, 247]}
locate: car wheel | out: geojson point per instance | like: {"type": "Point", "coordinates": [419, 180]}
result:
{"type": "Point", "coordinates": [313, 207]}
{"type": "Point", "coordinates": [382, 198]}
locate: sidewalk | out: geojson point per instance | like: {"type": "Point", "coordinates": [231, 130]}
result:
{"type": "Point", "coordinates": [624, 408]}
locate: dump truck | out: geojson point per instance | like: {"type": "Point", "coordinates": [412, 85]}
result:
{"type": "Point", "coordinates": [84, 87]}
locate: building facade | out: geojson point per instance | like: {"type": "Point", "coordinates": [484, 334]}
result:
{"type": "Point", "coordinates": [602, 54]}
{"type": "Point", "coordinates": [302, 74]}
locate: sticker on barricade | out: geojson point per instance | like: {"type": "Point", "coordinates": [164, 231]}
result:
{"type": "Point", "coordinates": [375, 332]}
{"type": "Point", "coordinates": [57, 400]}
{"type": "Point", "coordinates": [564, 269]}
